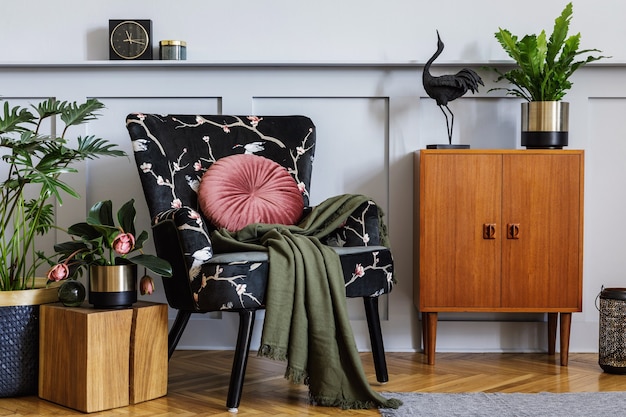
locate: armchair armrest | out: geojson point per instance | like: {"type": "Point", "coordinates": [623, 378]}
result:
{"type": "Point", "coordinates": [364, 227]}
{"type": "Point", "coordinates": [181, 237]}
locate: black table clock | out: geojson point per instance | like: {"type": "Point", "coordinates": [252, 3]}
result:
{"type": "Point", "coordinates": [130, 39]}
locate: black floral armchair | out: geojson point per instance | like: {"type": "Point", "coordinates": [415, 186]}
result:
{"type": "Point", "coordinates": [172, 153]}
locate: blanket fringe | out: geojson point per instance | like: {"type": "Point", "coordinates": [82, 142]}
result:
{"type": "Point", "coordinates": [392, 403]}
{"type": "Point", "coordinates": [272, 352]}
{"type": "Point", "coordinates": [353, 404]}
{"type": "Point", "coordinates": [296, 376]}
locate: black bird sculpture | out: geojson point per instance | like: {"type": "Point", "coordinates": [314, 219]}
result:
{"type": "Point", "coordinates": [448, 87]}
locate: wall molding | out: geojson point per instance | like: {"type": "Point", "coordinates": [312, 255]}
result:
{"type": "Point", "coordinates": [374, 113]}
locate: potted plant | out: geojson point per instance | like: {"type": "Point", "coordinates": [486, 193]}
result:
{"type": "Point", "coordinates": [32, 164]}
{"type": "Point", "coordinates": [105, 249]}
{"type": "Point", "coordinates": [544, 66]}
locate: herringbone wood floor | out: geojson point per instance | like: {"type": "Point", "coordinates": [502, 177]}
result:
{"type": "Point", "coordinates": [198, 383]}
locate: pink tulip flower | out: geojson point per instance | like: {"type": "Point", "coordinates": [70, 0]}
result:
{"type": "Point", "coordinates": [146, 285]}
{"type": "Point", "coordinates": [123, 243]}
{"type": "Point", "coordinates": [58, 272]}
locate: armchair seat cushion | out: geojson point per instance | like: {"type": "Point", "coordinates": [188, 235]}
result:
{"type": "Point", "coordinates": [237, 280]}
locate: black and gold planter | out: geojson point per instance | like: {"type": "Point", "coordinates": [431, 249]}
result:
{"type": "Point", "coordinates": [545, 124]}
{"type": "Point", "coordinates": [113, 286]}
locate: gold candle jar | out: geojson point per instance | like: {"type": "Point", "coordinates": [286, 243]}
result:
{"type": "Point", "coordinates": [173, 50]}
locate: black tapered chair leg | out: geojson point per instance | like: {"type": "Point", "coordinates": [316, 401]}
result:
{"type": "Point", "coordinates": [182, 318]}
{"type": "Point", "coordinates": [240, 361]}
{"type": "Point", "coordinates": [376, 338]}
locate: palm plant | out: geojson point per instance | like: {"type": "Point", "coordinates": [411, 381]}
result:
{"type": "Point", "coordinates": [34, 160]}
{"type": "Point", "coordinates": [544, 65]}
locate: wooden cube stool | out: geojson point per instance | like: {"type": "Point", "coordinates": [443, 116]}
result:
{"type": "Point", "coordinates": [94, 359]}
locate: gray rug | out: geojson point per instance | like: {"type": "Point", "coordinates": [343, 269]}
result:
{"type": "Point", "coordinates": [596, 404]}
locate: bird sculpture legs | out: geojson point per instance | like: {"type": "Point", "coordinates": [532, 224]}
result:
{"type": "Point", "coordinates": [449, 125]}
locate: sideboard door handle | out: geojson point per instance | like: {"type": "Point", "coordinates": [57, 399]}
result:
{"type": "Point", "coordinates": [512, 231]}
{"type": "Point", "coordinates": [489, 231]}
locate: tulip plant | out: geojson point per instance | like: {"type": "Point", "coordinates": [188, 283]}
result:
{"type": "Point", "coordinates": [99, 241]}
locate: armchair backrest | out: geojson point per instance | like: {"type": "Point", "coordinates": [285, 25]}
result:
{"type": "Point", "coordinates": [172, 152]}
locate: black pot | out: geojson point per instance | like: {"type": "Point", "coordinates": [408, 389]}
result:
{"type": "Point", "coordinates": [19, 338]}
{"type": "Point", "coordinates": [545, 124]}
{"type": "Point", "coordinates": [113, 286]}
{"type": "Point", "coordinates": [19, 350]}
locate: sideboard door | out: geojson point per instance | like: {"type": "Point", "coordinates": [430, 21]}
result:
{"type": "Point", "coordinates": [542, 203]}
{"type": "Point", "coordinates": [460, 195]}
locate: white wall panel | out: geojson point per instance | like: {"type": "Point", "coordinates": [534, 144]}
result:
{"type": "Point", "coordinates": [481, 122]}
{"type": "Point", "coordinates": [352, 143]}
{"type": "Point", "coordinates": [606, 179]}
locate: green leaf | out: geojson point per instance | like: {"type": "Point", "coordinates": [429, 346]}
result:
{"type": "Point", "coordinates": [101, 213]}
{"type": "Point", "coordinates": [75, 114]}
{"type": "Point", "coordinates": [70, 247]}
{"type": "Point", "coordinates": [126, 217]}
{"type": "Point", "coordinates": [509, 43]}
{"type": "Point", "coordinates": [40, 216]}
{"type": "Point", "coordinates": [540, 54]}
{"type": "Point", "coordinates": [12, 119]}
{"type": "Point", "coordinates": [49, 108]}
{"type": "Point", "coordinates": [559, 33]}
{"type": "Point", "coordinates": [84, 231]}
{"type": "Point", "coordinates": [107, 233]}
{"type": "Point", "coordinates": [157, 265]}
{"type": "Point", "coordinates": [141, 239]}
{"type": "Point", "coordinates": [50, 186]}
{"type": "Point", "coordinates": [92, 147]}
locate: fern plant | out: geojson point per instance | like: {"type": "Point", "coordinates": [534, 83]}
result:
{"type": "Point", "coordinates": [32, 160]}
{"type": "Point", "coordinates": [544, 65]}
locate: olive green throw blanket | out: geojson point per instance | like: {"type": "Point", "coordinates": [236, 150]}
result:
{"type": "Point", "coordinates": [306, 319]}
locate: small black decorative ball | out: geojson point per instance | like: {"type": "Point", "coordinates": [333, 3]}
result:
{"type": "Point", "coordinates": [72, 293]}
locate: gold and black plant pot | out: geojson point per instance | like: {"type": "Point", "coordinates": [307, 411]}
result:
{"type": "Point", "coordinates": [545, 124]}
{"type": "Point", "coordinates": [113, 286]}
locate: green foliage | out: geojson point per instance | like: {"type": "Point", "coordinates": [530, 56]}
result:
{"type": "Point", "coordinates": [544, 65]}
{"type": "Point", "coordinates": [33, 164]}
{"type": "Point", "coordinates": [93, 241]}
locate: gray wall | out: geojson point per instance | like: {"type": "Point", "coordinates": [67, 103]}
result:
{"type": "Point", "coordinates": [355, 68]}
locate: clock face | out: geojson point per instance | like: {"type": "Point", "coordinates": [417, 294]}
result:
{"type": "Point", "coordinates": [130, 39]}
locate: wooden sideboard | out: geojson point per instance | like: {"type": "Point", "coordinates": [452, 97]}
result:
{"type": "Point", "coordinates": [499, 231]}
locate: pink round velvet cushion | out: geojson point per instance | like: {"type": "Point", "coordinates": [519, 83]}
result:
{"type": "Point", "coordinates": [242, 189]}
